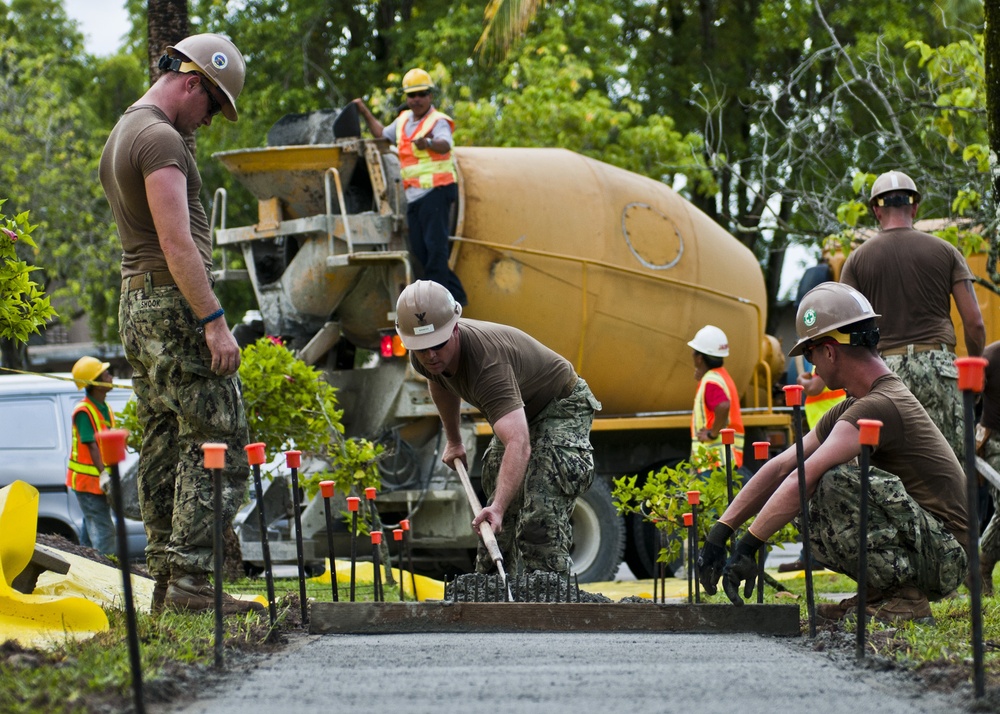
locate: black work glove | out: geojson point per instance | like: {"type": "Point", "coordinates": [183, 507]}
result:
{"type": "Point", "coordinates": [712, 558]}
{"type": "Point", "coordinates": [741, 566]}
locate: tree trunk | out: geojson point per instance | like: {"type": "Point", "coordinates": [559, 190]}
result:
{"type": "Point", "coordinates": [167, 23]}
{"type": "Point", "coordinates": [991, 63]}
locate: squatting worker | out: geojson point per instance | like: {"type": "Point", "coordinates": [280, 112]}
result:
{"type": "Point", "coordinates": [86, 474]}
{"type": "Point", "coordinates": [717, 401]}
{"type": "Point", "coordinates": [172, 328]}
{"type": "Point", "coordinates": [540, 459]}
{"type": "Point", "coordinates": [910, 277]}
{"type": "Point", "coordinates": [423, 136]}
{"type": "Point", "coordinates": [917, 507]}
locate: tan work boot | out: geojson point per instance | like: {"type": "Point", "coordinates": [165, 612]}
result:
{"type": "Point", "coordinates": [192, 593]}
{"type": "Point", "coordinates": [159, 595]}
{"type": "Point", "coordinates": [833, 611]}
{"type": "Point", "coordinates": [901, 605]}
{"type": "Point", "coordinates": [986, 566]}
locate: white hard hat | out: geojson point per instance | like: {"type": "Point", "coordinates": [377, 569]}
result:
{"type": "Point", "coordinates": [426, 314]}
{"type": "Point", "coordinates": [711, 341]}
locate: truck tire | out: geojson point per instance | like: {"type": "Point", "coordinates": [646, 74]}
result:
{"type": "Point", "coordinates": [598, 535]}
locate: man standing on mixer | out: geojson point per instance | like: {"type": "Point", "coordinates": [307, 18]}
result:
{"type": "Point", "coordinates": [423, 136]}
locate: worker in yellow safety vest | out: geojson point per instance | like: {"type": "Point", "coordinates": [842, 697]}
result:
{"type": "Point", "coordinates": [424, 138]}
{"type": "Point", "coordinates": [86, 474]}
{"type": "Point", "coordinates": [717, 402]}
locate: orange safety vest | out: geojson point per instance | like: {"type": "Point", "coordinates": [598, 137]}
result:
{"type": "Point", "coordinates": [819, 405]}
{"type": "Point", "coordinates": [82, 474]}
{"type": "Point", "coordinates": [703, 418]}
{"type": "Point", "coordinates": [422, 168]}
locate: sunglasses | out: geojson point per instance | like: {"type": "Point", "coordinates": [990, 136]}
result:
{"type": "Point", "coordinates": [213, 104]}
{"type": "Point", "coordinates": [418, 94]}
{"type": "Point", "coordinates": [435, 348]}
{"type": "Point", "coordinates": [807, 352]}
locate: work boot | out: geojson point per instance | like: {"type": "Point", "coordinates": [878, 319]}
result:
{"type": "Point", "coordinates": [159, 595]}
{"type": "Point", "coordinates": [835, 611]}
{"type": "Point", "coordinates": [902, 605]}
{"type": "Point", "coordinates": [986, 566]}
{"type": "Point", "coordinates": [192, 593]}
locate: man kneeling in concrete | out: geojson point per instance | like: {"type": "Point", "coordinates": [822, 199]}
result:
{"type": "Point", "coordinates": [917, 511]}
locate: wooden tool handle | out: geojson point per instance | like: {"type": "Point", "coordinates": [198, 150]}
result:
{"type": "Point", "coordinates": [485, 529]}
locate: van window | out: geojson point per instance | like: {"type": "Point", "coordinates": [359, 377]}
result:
{"type": "Point", "coordinates": [29, 424]}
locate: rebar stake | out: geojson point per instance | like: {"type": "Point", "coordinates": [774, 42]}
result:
{"type": "Point", "coordinates": [793, 399]}
{"type": "Point", "coordinates": [111, 442]}
{"type": "Point", "coordinates": [352, 505]}
{"type": "Point", "coordinates": [397, 535]}
{"type": "Point", "coordinates": [407, 545]}
{"type": "Point", "coordinates": [326, 490]}
{"type": "Point", "coordinates": [971, 381]}
{"type": "Point", "coordinates": [694, 498]}
{"type": "Point", "coordinates": [868, 432]}
{"type": "Point", "coordinates": [255, 455]}
{"type": "Point", "coordinates": [215, 461]}
{"type": "Point", "coordinates": [728, 439]}
{"type": "Point", "coordinates": [688, 521]}
{"type": "Point", "coordinates": [656, 560]}
{"type": "Point", "coordinates": [377, 565]}
{"type": "Point", "coordinates": [761, 452]}
{"type": "Point", "coordinates": [293, 459]}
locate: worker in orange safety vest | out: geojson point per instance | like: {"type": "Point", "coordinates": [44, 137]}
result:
{"type": "Point", "coordinates": [423, 136]}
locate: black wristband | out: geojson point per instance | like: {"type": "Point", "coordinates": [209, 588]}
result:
{"type": "Point", "coordinates": [749, 544]}
{"type": "Point", "coordinates": [214, 316]}
{"type": "Point", "coordinates": [719, 534]}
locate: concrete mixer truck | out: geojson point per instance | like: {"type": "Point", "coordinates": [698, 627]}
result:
{"type": "Point", "coordinates": [613, 270]}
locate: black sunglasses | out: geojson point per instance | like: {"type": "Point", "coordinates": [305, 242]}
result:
{"type": "Point", "coordinates": [418, 94]}
{"type": "Point", "coordinates": [213, 107]}
{"type": "Point", "coordinates": [435, 348]}
{"type": "Point", "coordinates": [807, 352]}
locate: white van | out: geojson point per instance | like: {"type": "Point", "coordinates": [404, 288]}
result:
{"type": "Point", "coordinates": [35, 434]}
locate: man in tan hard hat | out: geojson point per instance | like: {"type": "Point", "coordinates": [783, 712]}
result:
{"type": "Point", "coordinates": [540, 459]}
{"type": "Point", "coordinates": [910, 277]}
{"type": "Point", "coordinates": [917, 508]}
{"type": "Point", "coordinates": [173, 329]}
{"type": "Point", "coordinates": [717, 401]}
{"type": "Point", "coordinates": [86, 474]}
{"type": "Point", "coordinates": [423, 136]}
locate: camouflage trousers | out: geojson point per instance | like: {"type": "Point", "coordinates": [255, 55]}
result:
{"type": "Point", "coordinates": [536, 532]}
{"type": "Point", "coordinates": [933, 379]}
{"type": "Point", "coordinates": [990, 541]}
{"type": "Point", "coordinates": [907, 546]}
{"type": "Point", "coordinates": [181, 405]}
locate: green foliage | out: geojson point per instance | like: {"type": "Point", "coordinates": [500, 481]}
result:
{"type": "Point", "coordinates": [24, 307]}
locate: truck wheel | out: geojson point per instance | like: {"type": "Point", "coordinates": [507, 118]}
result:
{"type": "Point", "coordinates": [598, 535]}
{"type": "Point", "coordinates": [640, 548]}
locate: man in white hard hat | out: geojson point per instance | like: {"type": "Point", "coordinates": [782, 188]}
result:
{"type": "Point", "coordinates": [917, 507]}
{"type": "Point", "coordinates": [173, 329]}
{"type": "Point", "coordinates": [910, 277]}
{"type": "Point", "coordinates": [423, 136]}
{"type": "Point", "coordinates": [540, 458]}
{"type": "Point", "coordinates": [717, 401]}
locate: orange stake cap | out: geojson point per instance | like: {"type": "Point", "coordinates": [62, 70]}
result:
{"type": "Point", "coordinates": [293, 459]}
{"type": "Point", "coordinates": [728, 436]}
{"type": "Point", "coordinates": [215, 455]}
{"type": "Point", "coordinates": [694, 497]}
{"type": "Point", "coordinates": [352, 503]}
{"type": "Point", "coordinates": [326, 488]}
{"type": "Point", "coordinates": [370, 493]}
{"type": "Point", "coordinates": [971, 373]}
{"type": "Point", "coordinates": [761, 449]}
{"type": "Point", "coordinates": [869, 429]}
{"type": "Point", "coordinates": [376, 537]}
{"type": "Point", "coordinates": [397, 534]}
{"type": "Point", "coordinates": [793, 395]}
{"type": "Point", "coordinates": [111, 442]}
{"type": "Point", "coordinates": [405, 524]}
{"type": "Point", "coordinates": [255, 453]}
{"type": "Point", "coordinates": [688, 519]}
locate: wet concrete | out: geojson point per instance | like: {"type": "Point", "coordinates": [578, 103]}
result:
{"type": "Point", "coordinates": [561, 673]}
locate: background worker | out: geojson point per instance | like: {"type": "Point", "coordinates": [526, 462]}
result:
{"type": "Point", "coordinates": [917, 511]}
{"type": "Point", "coordinates": [988, 447]}
{"type": "Point", "coordinates": [717, 401]}
{"type": "Point", "coordinates": [540, 458]}
{"type": "Point", "coordinates": [86, 474]}
{"type": "Point", "coordinates": [423, 136]}
{"type": "Point", "coordinates": [174, 332]}
{"type": "Point", "coordinates": [910, 277]}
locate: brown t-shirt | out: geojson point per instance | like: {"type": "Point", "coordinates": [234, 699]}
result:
{"type": "Point", "coordinates": [142, 142]}
{"type": "Point", "coordinates": [908, 277]}
{"type": "Point", "coordinates": [911, 447]}
{"type": "Point", "coordinates": [501, 369]}
{"type": "Point", "coordinates": [991, 395]}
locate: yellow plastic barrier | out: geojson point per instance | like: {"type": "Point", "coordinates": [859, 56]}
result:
{"type": "Point", "coordinates": [427, 588]}
{"type": "Point", "coordinates": [35, 620]}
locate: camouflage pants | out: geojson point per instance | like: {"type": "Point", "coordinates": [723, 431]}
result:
{"type": "Point", "coordinates": [181, 405]}
{"type": "Point", "coordinates": [536, 532]}
{"type": "Point", "coordinates": [990, 542]}
{"type": "Point", "coordinates": [907, 546]}
{"type": "Point", "coordinates": [933, 379]}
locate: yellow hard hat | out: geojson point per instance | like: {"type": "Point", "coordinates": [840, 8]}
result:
{"type": "Point", "coordinates": [417, 80]}
{"type": "Point", "coordinates": [214, 57]}
{"type": "Point", "coordinates": [88, 369]}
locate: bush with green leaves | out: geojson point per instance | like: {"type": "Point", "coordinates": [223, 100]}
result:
{"type": "Point", "coordinates": [24, 307]}
{"type": "Point", "coordinates": [662, 500]}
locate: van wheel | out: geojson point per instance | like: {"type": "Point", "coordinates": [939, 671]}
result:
{"type": "Point", "coordinates": [598, 535]}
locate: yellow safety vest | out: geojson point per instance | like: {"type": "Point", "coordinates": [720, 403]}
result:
{"type": "Point", "coordinates": [82, 474]}
{"type": "Point", "coordinates": [422, 168]}
{"type": "Point", "coordinates": [819, 405]}
{"type": "Point", "coordinates": [702, 418]}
